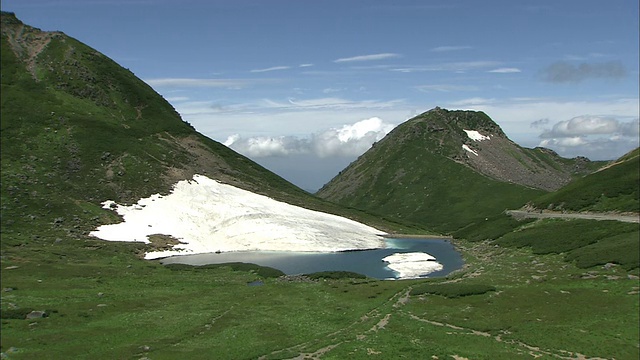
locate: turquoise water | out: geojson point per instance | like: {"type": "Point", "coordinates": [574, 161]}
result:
{"type": "Point", "coordinates": [366, 262]}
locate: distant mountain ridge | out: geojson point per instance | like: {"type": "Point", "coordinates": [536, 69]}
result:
{"type": "Point", "coordinates": [612, 188]}
{"type": "Point", "coordinates": [484, 147]}
{"type": "Point", "coordinates": [449, 167]}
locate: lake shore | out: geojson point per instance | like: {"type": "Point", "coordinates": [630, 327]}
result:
{"type": "Point", "coordinates": [416, 236]}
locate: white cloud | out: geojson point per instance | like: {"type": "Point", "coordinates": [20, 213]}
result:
{"type": "Point", "coordinates": [458, 66]}
{"type": "Point", "coordinates": [329, 103]}
{"type": "Point", "coordinates": [330, 90]}
{"type": "Point", "coordinates": [350, 140]}
{"type": "Point", "coordinates": [272, 118]}
{"type": "Point", "coordinates": [261, 146]}
{"type": "Point", "coordinates": [587, 125]}
{"type": "Point", "coordinates": [594, 136]}
{"type": "Point", "coordinates": [564, 142]}
{"type": "Point", "coordinates": [446, 87]}
{"type": "Point", "coordinates": [594, 148]}
{"type": "Point", "coordinates": [505, 70]}
{"type": "Point", "coordinates": [472, 101]}
{"type": "Point", "coordinates": [274, 68]}
{"type": "Point", "coordinates": [346, 140]}
{"type": "Point", "coordinates": [368, 57]}
{"type": "Point", "coordinates": [450, 48]}
{"type": "Point", "coordinates": [190, 82]}
{"type": "Point", "coordinates": [305, 65]}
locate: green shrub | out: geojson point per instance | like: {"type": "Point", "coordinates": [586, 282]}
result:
{"type": "Point", "coordinates": [558, 236]}
{"type": "Point", "coordinates": [623, 249]}
{"type": "Point", "coordinates": [490, 229]}
{"type": "Point", "coordinates": [263, 271]}
{"type": "Point", "coordinates": [452, 290]}
{"type": "Point", "coordinates": [335, 275]}
{"type": "Point", "coordinates": [588, 242]}
{"type": "Point", "coordinates": [612, 189]}
{"type": "Point", "coordinates": [15, 313]}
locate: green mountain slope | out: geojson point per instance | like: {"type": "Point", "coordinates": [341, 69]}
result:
{"type": "Point", "coordinates": [587, 243]}
{"type": "Point", "coordinates": [430, 170]}
{"type": "Point", "coordinates": [612, 188]}
{"type": "Point", "coordinates": [78, 129]}
{"type": "Point", "coordinates": [67, 145]}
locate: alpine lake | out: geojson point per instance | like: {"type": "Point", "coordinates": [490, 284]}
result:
{"type": "Point", "coordinates": [365, 262]}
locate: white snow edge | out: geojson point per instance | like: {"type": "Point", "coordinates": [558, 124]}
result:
{"type": "Point", "coordinates": [469, 149]}
{"type": "Point", "coordinates": [207, 216]}
{"type": "Point", "coordinates": [476, 136]}
{"type": "Point", "coordinates": [412, 265]}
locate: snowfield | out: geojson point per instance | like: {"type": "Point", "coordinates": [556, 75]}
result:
{"type": "Point", "coordinates": [207, 216]}
{"type": "Point", "coordinates": [476, 136]}
{"type": "Point", "coordinates": [467, 148]}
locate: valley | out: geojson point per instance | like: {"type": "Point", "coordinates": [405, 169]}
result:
{"type": "Point", "coordinates": [100, 174]}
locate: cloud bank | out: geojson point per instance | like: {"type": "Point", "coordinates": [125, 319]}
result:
{"type": "Point", "coordinates": [591, 125]}
{"type": "Point", "coordinates": [592, 136]}
{"type": "Point", "coordinates": [347, 140]}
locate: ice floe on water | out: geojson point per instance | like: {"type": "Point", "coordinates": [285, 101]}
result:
{"type": "Point", "coordinates": [413, 264]}
{"type": "Point", "coordinates": [207, 216]}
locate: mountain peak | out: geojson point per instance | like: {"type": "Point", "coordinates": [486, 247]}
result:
{"type": "Point", "coordinates": [443, 161]}
{"type": "Point", "coordinates": [472, 138]}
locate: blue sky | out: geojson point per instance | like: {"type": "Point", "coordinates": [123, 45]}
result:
{"type": "Point", "coordinates": [304, 87]}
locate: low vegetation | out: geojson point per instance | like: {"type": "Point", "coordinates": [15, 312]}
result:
{"type": "Point", "coordinates": [590, 242]}
{"type": "Point", "coordinates": [103, 301]}
{"type": "Point", "coordinates": [452, 290]}
{"type": "Point", "coordinates": [531, 288]}
{"type": "Point", "coordinates": [336, 275]}
{"type": "Point", "coordinates": [419, 173]}
{"type": "Point", "coordinates": [614, 188]}
{"type": "Point", "coordinates": [261, 271]}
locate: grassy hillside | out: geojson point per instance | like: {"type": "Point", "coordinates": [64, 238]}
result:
{"type": "Point", "coordinates": [586, 243]}
{"type": "Point", "coordinates": [613, 188]}
{"type": "Point", "coordinates": [78, 129]}
{"type": "Point", "coordinates": [421, 173]}
{"type": "Point", "coordinates": [429, 189]}
{"type": "Point", "coordinates": [67, 145]}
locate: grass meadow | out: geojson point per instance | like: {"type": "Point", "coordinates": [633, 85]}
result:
{"type": "Point", "coordinates": [507, 303]}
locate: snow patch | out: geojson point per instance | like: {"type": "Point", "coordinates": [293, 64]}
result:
{"type": "Point", "coordinates": [469, 149]}
{"type": "Point", "coordinates": [207, 216]}
{"type": "Point", "coordinates": [476, 136]}
{"type": "Point", "coordinates": [412, 265]}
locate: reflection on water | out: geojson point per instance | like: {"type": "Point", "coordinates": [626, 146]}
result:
{"type": "Point", "coordinates": [366, 262]}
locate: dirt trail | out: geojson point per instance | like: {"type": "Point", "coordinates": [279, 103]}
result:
{"type": "Point", "coordinates": [520, 214]}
